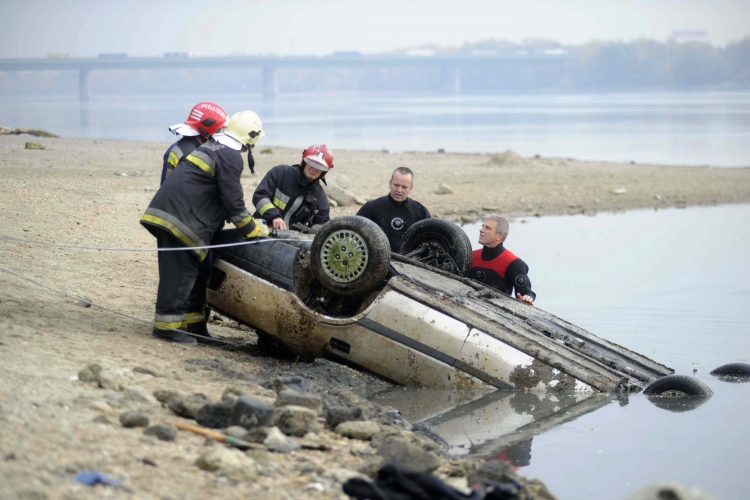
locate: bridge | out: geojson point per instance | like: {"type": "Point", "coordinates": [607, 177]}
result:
{"type": "Point", "coordinates": [451, 66]}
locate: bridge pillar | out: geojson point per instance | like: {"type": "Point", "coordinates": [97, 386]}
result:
{"type": "Point", "coordinates": [270, 82]}
{"type": "Point", "coordinates": [84, 87]}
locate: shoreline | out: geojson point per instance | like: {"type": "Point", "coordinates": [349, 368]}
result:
{"type": "Point", "coordinates": [74, 192]}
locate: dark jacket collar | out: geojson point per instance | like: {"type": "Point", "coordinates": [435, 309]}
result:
{"type": "Point", "coordinates": [397, 204]}
{"type": "Point", "coordinates": [489, 253]}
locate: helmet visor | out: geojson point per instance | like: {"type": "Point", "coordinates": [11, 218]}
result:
{"type": "Point", "coordinates": [184, 130]}
{"type": "Point", "coordinates": [315, 162]}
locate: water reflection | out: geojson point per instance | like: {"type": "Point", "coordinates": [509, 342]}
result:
{"type": "Point", "coordinates": [497, 425]}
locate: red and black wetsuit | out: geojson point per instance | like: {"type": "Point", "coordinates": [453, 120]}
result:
{"type": "Point", "coordinates": [501, 269]}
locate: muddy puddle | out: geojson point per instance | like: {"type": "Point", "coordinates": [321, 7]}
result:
{"type": "Point", "coordinates": [673, 285]}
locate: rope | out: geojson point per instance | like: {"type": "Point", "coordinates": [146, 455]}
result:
{"type": "Point", "coordinates": [113, 311]}
{"type": "Point", "coordinates": [124, 249]}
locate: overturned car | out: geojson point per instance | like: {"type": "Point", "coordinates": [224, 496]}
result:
{"type": "Point", "coordinates": [412, 317]}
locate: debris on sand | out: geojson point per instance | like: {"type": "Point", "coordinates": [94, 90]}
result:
{"type": "Point", "coordinates": [507, 159]}
{"type": "Point", "coordinates": [24, 130]}
{"type": "Point", "coordinates": [34, 145]}
{"type": "Point", "coordinates": [444, 189]}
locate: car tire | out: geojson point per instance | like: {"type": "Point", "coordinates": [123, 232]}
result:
{"type": "Point", "coordinates": [677, 385]}
{"type": "Point", "coordinates": [350, 256]}
{"type": "Point", "coordinates": [734, 369]}
{"type": "Point", "coordinates": [448, 236]}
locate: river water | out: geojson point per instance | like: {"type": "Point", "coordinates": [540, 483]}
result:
{"type": "Point", "coordinates": [673, 285]}
{"type": "Point", "coordinates": [673, 128]}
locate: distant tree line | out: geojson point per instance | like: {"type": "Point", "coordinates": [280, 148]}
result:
{"type": "Point", "coordinates": [639, 65]}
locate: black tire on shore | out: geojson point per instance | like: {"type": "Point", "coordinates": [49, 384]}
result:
{"type": "Point", "coordinates": [447, 235]}
{"type": "Point", "coordinates": [737, 369]}
{"type": "Point", "coordinates": [350, 255]}
{"type": "Point", "coordinates": [677, 386]}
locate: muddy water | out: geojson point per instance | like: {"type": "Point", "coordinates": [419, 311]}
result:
{"type": "Point", "coordinates": [673, 285]}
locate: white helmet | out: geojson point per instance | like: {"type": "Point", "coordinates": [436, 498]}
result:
{"type": "Point", "coordinates": [244, 128]}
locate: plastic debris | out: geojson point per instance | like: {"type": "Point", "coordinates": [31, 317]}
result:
{"type": "Point", "coordinates": [94, 477]}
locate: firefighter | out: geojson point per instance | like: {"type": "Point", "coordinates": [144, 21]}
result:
{"type": "Point", "coordinates": [187, 210]}
{"type": "Point", "coordinates": [205, 119]}
{"type": "Point", "coordinates": [292, 194]}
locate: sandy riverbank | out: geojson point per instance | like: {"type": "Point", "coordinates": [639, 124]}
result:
{"type": "Point", "coordinates": [69, 193]}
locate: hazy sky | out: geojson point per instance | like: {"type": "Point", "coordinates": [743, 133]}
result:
{"type": "Point", "coordinates": [34, 28]}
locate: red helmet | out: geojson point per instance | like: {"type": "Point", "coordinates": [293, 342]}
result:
{"type": "Point", "coordinates": [206, 118]}
{"type": "Point", "coordinates": [318, 156]}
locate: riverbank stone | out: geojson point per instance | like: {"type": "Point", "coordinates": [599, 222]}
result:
{"type": "Point", "coordinates": [164, 395]}
{"type": "Point", "coordinates": [215, 415]}
{"type": "Point", "coordinates": [338, 414]}
{"type": "Point", "coordinates": [288, 397]}
{"type": "Point", "coordinates": [401, 450]}
{"type": "Point", "coordinates": [187, 406]}
{"type": "Point", "coordinates": [116, 379]}
{"type": "Point", "coordinates": [139, 394]}
{"type": "Point", "coordinates": [290, 382]}
{"type": "Point", "coordinates": [228, 462]}
{"type": "Point", "coordinates": [163, 432]}
{"type": "Point", "coordinates": [296, 420]}
{"type": "Point", "coordinates": [133, 419]}
{"type": "Point", "coordinates": [90, 373]}
{"type": "Point", "coordinates": [250, 412]}
{"type": "Point", "coordinates": [362, 430]}
{"type": "Point", "coordinates": [278, 442]}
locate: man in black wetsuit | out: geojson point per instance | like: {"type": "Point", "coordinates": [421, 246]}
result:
{"type": "Point", "coordinates": [395, 212]}
{"type": "Point", "coordinates": [497, 267]}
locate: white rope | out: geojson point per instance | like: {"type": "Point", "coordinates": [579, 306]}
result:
{"type": "Point", "coordinates": [113, 311]}
{"type": "Point", "coordinates": [123, 249]}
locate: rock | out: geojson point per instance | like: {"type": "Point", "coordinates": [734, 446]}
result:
{"type": "Point", "coordinates": [371, 466]}
{"type": "Point", "coordinates": [296, 420]}
{"type": "Point", "coordinates": [133, 419]}
{"type": "Point", "coordinates": [90, 373]}
{"type": "Point", "coordinates": [228, 462]}
{"type": "Point", "coordinates": [116, 379]}
{"type": "Point", "coordinates": [266, 151]}
{"type": "Point", "coordinates": [312, 441]}
{"type": "Point", "coordinates": [500, 472]}
{"type": "Point", "coordinates": [293, 383]}
{"type": "Point", "coordinates": [444, 189]}
{"type": "Point", "coordinates": [34, 145]}
{"type": "Point", "coordinates": [164, 395]}
{"type": "Point", "coordinates": [250, 412]}
{"type": "Point", "coordinates": [668, 491]}
{"type": "Point", "coordinates": [257, 434]}
{"type": "Point", "coordinates": [163, 432]}
{"type": "Point", "coordinates": [277, 441]}
{"type": "Point", "coordinates": [101, 406]}
{"type": "Point", "coordinates": [361, 449]}
{"type": "Point", "coordinates": [114, 400]}
{"type": "Point", "coordinates": [307, 399]}
{"type": "Point", "coordinates": [400, 449]}
{"type": "Point", "coordinates": [215, 415]}
{"type": "Point", "coordinates": [490, 208]}
{"type": "Point", "coordinates": [187, 406]}
{"type": "Point", "coordinates": [441, 151]}
{"type": "Point", "coordinates": [102, 419]}
{"type": "Point", "coordinates": [145, 371]}
{"type": "Point", "coordinates": [363, 430]}
{"type": "Point", "coordinates": [620, 191]}
{"type": "Point", "coordinates": [340, 413]}
{"type": "Point", "coordinates": [139, 395]}
{"type": "Point", "coordinates": [343, 196]}
{"type": "Point", "coordinates": [236, 432]}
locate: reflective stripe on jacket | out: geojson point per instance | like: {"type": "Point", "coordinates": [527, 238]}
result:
{"type": "Point", "coordinates": [199, 196]}
{"type": "Point", "coordinates": [285, 192]}
{"type": "Point", "coordinates": [175, 153]}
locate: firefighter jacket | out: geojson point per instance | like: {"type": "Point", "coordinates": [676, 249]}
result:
{"type": "Point", "coordinates": [285, 192]}
{"type": "Point", "coordinates": [199, 195]}
{"type": "Point", "coordinates": [177, 152]}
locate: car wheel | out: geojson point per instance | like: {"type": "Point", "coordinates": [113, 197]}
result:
{"type": "Point", "coordinates": [677, 386]}
{"type": "Point", "coordinates": [350, 256]}
{"type": "Point", "coordinates": [438, 243]}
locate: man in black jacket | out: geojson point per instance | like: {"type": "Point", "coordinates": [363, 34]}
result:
{"type": "Point", "coordinates": [395, 212]}
{"type": "Point", "coordinates": [292, 194]}
{"type": "Point", "coordinates": [498, 267]}
{"type": "Point", "coordinates": [188, 209]}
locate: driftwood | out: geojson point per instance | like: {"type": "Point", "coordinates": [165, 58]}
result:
{"type": "Point", "coordinates": [24, 130]}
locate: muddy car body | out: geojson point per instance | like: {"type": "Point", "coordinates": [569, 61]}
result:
{"type": "Point", "coordinates": [412, 323]}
